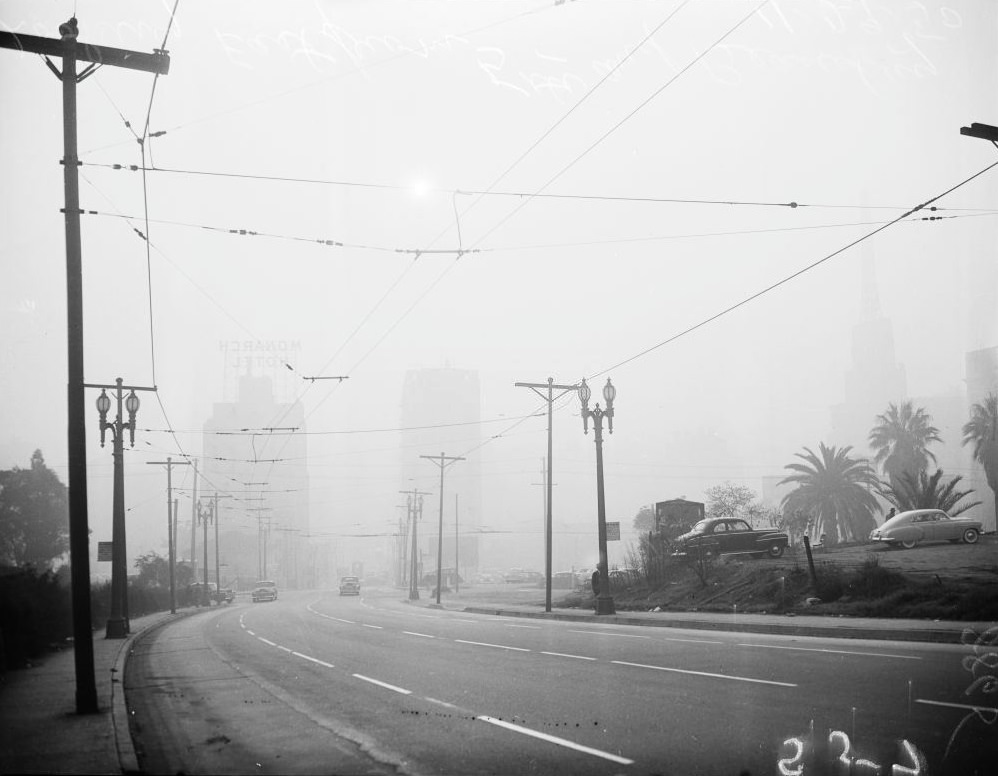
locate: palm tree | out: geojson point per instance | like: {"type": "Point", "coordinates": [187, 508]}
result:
{"type": "Point", "coordinates": [982, 431]}
{"type": "Point", "coordinates": [924, 492]}
{"type": "Point", "coordinates": [900, 441]}
{"type": "Point", "coordinates": [835, 490]}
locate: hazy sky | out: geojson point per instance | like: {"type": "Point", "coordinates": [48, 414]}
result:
{"type": "Point", "coordinates": [396, 111]}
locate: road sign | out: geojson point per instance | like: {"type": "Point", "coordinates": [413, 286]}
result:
{"type": "Point", "coordinates": [104, 551]}
{"type": "Point", "coordinates": [613, 532]}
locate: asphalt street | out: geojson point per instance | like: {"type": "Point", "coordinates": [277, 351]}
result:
{"type": "Point", "coordinates": [316, 683]}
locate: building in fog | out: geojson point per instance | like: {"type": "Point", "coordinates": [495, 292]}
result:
{"type": "Point", "coordinates": [441, 410]}
{"type": "Point", "coordinates": [258, 466]}
{"type": "Point", "coordinates": [874, 378]}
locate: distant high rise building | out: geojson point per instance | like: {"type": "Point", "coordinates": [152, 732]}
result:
{"type": "Point", "coordinates": [874, 379]}
{"type": "Point", "coordinates": [433, 401]}
{"type": "Point", "coordinates": [262, 477]}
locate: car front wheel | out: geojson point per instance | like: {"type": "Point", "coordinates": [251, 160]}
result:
{"type": "Point", "coordinates": [970, 536]}
{"type": "Point", "coordinates": [909, 544]}
{"type": "Point", "coordinates": [775, 550]}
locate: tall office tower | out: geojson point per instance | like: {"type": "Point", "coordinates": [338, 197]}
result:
{"type": "Point", "coordinates": [258, 466]}
{"type": "Point", "coordinates": [874, 379]}
{"type": "Point", "coordinates": [433, 401]}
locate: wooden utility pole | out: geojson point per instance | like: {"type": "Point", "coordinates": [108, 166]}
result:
{"type": "Point", "coordinates": [549, 398]}
{"type": "Point", "coordinates": [171, 515]}
{"type": "Point", "coordinates": [442, 461]}
{"type": "Point", "coordinates": [71, 52]}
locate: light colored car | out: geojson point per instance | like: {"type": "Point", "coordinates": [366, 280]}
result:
{"type": "Point", "coordinates": [909, 529]}
{"type": "Point", "coordinates": [350, 586]}
{"type": "Point", "coordinates": [265, 590]}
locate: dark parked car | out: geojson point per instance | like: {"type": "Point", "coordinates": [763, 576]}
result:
{"type": "Point", "coordinates": [731, 536]}
{"type": "Point", "coordinates": [925, 525]}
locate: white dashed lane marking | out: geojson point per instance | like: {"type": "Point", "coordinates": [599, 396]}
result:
{"type": "Point", "coordinates": [703, 673]}
{"type": "Point", "coordinates": [387, 686]}
{"type": "Point", "coordinates": [555, 740]}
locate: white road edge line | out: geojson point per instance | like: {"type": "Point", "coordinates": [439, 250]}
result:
{"type": "Point", "coordinates": [959, 706]}
{"type": "Point", "coordinates": [562, 654]}
{"type": "Point", "coordinates": [497, 646]}
{"type": "Point", "coordinates": [266, 641]}
{"type": "Point", "coordinates": [514, 625]}
{"type": "Point", "coordinates": [704, 673]}
{"type": "Point", "coordinates": [693, 641]}
{"type": "Point", "coordinates": [421, 635]}
{"type": "Point", "coordinates": [833, 651]}
{"type": "Point", "coordinates": [286, 649]}
{"type": "Point", "coordinates": [555, 740]}
{"type": "Point", "coordinates": [383, 684]}
{"type": "Point", "coordinates": [313, 659]}
{"type": "Point", "coordinates": [376, 627]}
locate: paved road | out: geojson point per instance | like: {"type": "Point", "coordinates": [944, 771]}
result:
{"type": "Point", "coordinates": [320, 684]}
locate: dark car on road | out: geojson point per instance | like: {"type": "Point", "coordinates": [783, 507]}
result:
{"type": "Point", "coordinates": [732, 536]}
{"type": "Point", "coordinates": [265, 590]}
{"type": "Point", "coordinates": [350, 586]}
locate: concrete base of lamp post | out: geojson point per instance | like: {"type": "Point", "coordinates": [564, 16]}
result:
{"type": "Point", "coordinates": [116, 629]}
{"type": "Point", "coordinates": [604, 605]}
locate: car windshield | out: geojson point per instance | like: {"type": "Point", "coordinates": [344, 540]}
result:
{"type": "Point", "coordinates": [700, 527]}
{"type": "Point", "coordinates": [266, 583]}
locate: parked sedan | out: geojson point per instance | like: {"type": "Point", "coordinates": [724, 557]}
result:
{"type": "Point", "coordinates": [731, 536]}
{"type": "Point", "coordinates": [916, 526]}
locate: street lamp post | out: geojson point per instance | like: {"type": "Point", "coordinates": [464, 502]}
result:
{"type": "Point", "coordinates": [206, 514]}
{"type": "Point", "coordinates": [414, 504]}
{"type": "Point", "coordinates": [117, 623]}
{"type": "Point", "coordinates": [604, 601]}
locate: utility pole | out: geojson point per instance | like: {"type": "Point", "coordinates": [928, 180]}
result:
{"type": "Point", "coordinates": [457, 549]}
{"type": "Point", "coordinates": [442, 461]}
{"type": "Point", "coordinates": [414, 501]}
{"type": "Point", "coordinates": [550, 399]}
{"type": "Point", "coordinates": [170, 516]}
{"type": "Point", "coordinates": [194, 522]}
{"type": "Point", "coordinates": [72, 51]}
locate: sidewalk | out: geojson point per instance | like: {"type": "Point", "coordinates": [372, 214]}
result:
{"type": "Point", "coordinates": [40, 731]}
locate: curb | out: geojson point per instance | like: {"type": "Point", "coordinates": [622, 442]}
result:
{"type": "Point", "coordinates": [840, 630]}
{"type": "Point", "coordinates": [128, 760]}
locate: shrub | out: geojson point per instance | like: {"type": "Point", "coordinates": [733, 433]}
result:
{"type": "Point", "coordinates": [831, 584]}
{"type": "Point", "coordinates": [871, 580]}
{"type": "Point", "coordinates": [34, 614]}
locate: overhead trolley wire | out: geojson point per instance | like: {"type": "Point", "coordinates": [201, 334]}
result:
{"type": "Point", "coordinates": [792, 276]}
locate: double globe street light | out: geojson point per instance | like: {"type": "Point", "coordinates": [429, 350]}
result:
{"type": "Point", "coordinates": [117, 623]}
{"type": "Point", "coordinates": [604, 601]}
